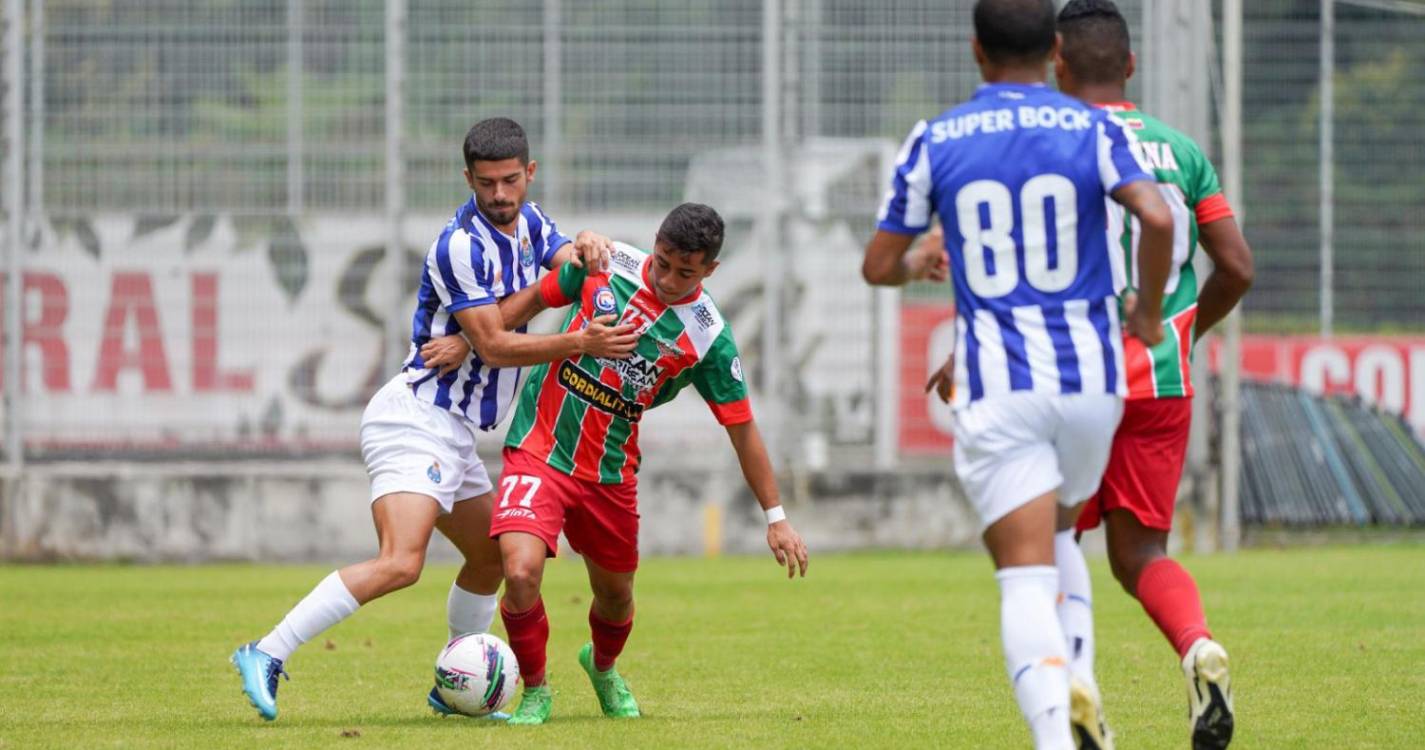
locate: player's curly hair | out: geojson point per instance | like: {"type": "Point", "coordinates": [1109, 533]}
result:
{"type": "Point", "coordinates": [693, 228]}
{"type": "Point", "coordinates": [1096, 41]}
{"type": "Point", "coordinates": [1012, 31]}
{"type": "Point", "coordinates": [495, 139]}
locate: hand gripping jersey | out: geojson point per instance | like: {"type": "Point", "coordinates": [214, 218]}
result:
{"type": "Point", "coordinates": [1190, 187]}
{"type": "Point", "coordinates": [473, 263]}
{"type": "Point", "coordinates": [580, 415]}
{"type": "Point", "coordinates": [1019, 176]}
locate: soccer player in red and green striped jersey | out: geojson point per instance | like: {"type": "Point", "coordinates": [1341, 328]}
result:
{"type": "Point", "coordinates": [1135, 501]}
{"type": "Point", "coordinates": [571, 455]}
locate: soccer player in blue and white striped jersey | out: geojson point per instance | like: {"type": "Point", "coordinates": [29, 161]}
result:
{"type": "Point", "coordinates": [1020, 175]}
{"type": "Point", "coordinates": [418, 432]}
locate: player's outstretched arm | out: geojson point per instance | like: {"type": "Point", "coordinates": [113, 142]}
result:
{"type": "Point", "coordinates": [1231, 275]}
{"type": "Point", "coordinates": [786, 544]}
{"type": "Point", "coordinates": [521, 307]}
{"type": "Point", "coordinates": [449, 352]}
{"type": "Point", "coordinates": [890, 260]}
{"type": "Point", "coordinates": [1144, 315]}
{"type": "Point", "coordinates": [484, 327]}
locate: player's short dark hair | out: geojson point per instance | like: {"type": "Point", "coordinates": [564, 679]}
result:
{"type": "Point", "coordinates": [693, 228]}
{"type": "Point", "coordinates": [1012, 31]}
{"type": "Point", "coordinates": [496, 139]}
{"type": "Point", "coordinates": [1096, 42]}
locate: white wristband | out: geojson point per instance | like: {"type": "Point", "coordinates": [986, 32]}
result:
{"type": "Point", "coordinates": [775, 514]}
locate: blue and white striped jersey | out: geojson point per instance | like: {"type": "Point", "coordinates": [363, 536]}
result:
{"type": "Point", "coordinates": [1020, 175]}
{"type": "Point", "coordinates": [471, 264]}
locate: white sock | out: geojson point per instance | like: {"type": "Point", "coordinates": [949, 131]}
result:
{"type": "Point", "coordinates": [328, 604]}
{"type": "Point", "coordinates": [466, 612]}
{"type": "Point", "coordinates": [1075, 606]}
{"type": "Point", "coordinates": [1049, 728]}
{"type": "Point", "coordinates": [1035, 653]}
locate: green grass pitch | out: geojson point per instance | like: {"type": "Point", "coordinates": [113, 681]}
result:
{"type": "Point", "coordinates": [871, 650]}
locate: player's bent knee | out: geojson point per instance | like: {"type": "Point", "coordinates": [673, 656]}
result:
{"type": "Point", "coordinates": [615, 597]}
{"type": "Point", "coordinates": [1125, 572]}
{"type": "Point", "coordinates": [402, 571]}
{"type": "Point", "coordinates": [523, 575]}
{"type": "Point", "coordinates": [1128, 565]}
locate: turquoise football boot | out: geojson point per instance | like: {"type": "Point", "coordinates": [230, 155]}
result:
{"type": "Point", "coordinates": [259, 678]}
{"type": "Point", "coordinates": [438, 705]}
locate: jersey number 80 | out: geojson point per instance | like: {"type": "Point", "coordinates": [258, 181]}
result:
{"type": "Point", "coordinates": [997, 277]}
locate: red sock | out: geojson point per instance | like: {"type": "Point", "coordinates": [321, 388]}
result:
{"type": "Point", "coordinates": [1170, 597]}
{"type": "Point", "coordinates": [609, 638]}
{"type": "Point", "coordinates": [529, 635]}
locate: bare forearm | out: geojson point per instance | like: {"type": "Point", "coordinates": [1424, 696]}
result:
{"type": "Point", "coordinates": [521, 307]}
{"type": "Point", "coordinates": [885, 261]}
{"type": "Point", "coordinates": [507, 349]}
{"type": "Point", "coordinates": [885, 273]}
{"type": "Point", "coordinates": [1155, 245]}
{"type": "Point", "coordinates": [756, 465]}
{"type": "Point", "coordinates": [1220, 293]}
{"type": "Point", "coordinates": [1232, 271]}
{"type": "Point", "coordinates": [1155, 262]}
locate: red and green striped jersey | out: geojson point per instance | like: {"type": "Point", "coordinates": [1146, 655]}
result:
{"type": "Point", "coordinates": [1189, 185]}
{"type": "Point", "coordinates": [580, 415]}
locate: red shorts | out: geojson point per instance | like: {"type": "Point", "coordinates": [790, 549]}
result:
{"type": "Point", "coordinates": [1145, 463]}
{"type": "Point", "coordinates": [599, 520]}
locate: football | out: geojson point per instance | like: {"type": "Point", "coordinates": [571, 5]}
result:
{"type": "Point", "coordinates": [476, 674]}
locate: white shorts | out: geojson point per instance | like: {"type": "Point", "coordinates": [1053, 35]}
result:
{"type": "Point", "coordinates": [413, 446]}
{"type": "Point", "coordinates": [1012, 449]}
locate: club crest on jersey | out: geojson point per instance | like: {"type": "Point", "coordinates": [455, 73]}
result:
{"type": "Point", "coordinates": [433, 472]}
{"type": "Point", "coordinates": [668, 348]}
{"type": "Point", "coordinates": [526, 252]}
{"type": "Point", "coordinates": [604, 301]}
{"type": "Point", "coordinates": [737, 369]}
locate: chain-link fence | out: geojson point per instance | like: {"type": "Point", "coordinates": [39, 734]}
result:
{"type": "Point", "coordinates": [1377, 110]}
{"type": "Point", "coordinates": [210, 213]}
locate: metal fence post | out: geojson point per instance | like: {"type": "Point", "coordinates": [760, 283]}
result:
{"type": "Point", "coordinates": [771, 219]}
{"type": "Point", "coordinates": [1230, 382]}
{"type": "Point", "coordinates": [13, 355]}
{"type": "Point", "coordinates": [395, 172]}
{"type": "Point", "coordinates": [553, 151]}
{"type": "Point", "coordinates": [35, 135]}
{"type": "Point", "coordinates": [1328, 157]}
{"type": "Point", "coordinates": [14, 191]}
{"type": "Point", "coordinates": [296, 191]}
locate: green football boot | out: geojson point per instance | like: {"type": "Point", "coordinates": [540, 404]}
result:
{"type": "Point", "coordinates": [536, 703]}
{"type": "Point", "coordinates": [614, 696]}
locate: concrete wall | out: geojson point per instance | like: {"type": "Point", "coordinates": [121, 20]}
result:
{"type": "Point", "coordinates": [319, 512]}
